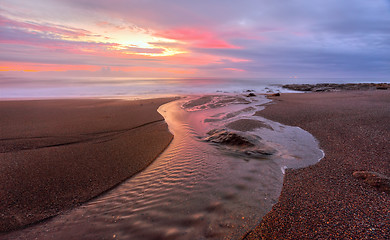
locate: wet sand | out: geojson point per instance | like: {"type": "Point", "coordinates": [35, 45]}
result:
{"type": "Point", "coordinates": [56, 154]}
{"type": "Point", "coordinates": [325, 201]}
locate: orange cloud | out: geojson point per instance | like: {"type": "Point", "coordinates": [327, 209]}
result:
{"type": "Point", "coordinates": [173, 52]}
{"type": "Point", "coordinates": [155, 69]}
{"type": "Point", "coordinates": [38, 67]}
{"type": "Point", "coordinates": [201, 59]}
{"type": "Point", "coordinates": [109, 25]}
{"type": "Point", "coordinates": [196, 38]}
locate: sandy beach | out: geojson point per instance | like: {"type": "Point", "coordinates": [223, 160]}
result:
{"type": "Point", "coordinates": [325, 201]}
{"type": "Point", "coordinates": [56, 154]}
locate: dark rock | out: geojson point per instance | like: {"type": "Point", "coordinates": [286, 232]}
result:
{"type": "Point", "coordinates": [225, 137]}
{"type": "Point", "coordinates": [263, 151]}
{"type": "Point", "coordinates": [322, 89]}
{"type": "Point", "coordinates": [211, 120]}
{"type": "Point", "coordinates": [233, 143]}
{"type": "Point", "coordinates": [326, 87]}
{"type": "Point", "coordinates": [273, 95]}
{"type": "Point", "coordinates": [251, 95]}
{"type": "Point", "coordinates": [299, 87]}
{"type": "Point", "coordinates": [382, 86]}
{"type": "Point", "coordinates": [380, 181]}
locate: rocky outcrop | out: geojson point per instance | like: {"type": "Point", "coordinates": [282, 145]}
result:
{"type": "Point", "coordinates": [380, 181]}
{"type": "Point", "coordinates": [224, 137]}
{"type": "Point", "coordinates": [273, 95]}
{"type": "Point", "coordinates": [235, 143]}
{"type": "Point", "coordinates": [328, 87]}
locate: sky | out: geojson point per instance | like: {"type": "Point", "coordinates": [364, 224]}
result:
{"type": "Point", "coordinates": [202, 38]}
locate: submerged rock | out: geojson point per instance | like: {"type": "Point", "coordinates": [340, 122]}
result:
{"type": "Point", "coordinates": [225, 137]}
{"type": "Point", "coordinates": [224, 116]}
{"type": "Point", "coordinates": [234, 143]}
{"type": "Point", "coordinates": [374, 179]}
{"type": "Point", "coordinates": [198, 102]}
{"type": "Point", "coordinates": [213, 101]}
{"type": "Point", "coordinates": [234, 114]}
{"type": "Point", "coordinates": [247, 125]}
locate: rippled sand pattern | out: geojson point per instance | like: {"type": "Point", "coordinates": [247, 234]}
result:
{"type": "Point", "coordinates": [192, 191]}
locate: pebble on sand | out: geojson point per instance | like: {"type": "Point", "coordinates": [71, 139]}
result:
{"type": "Point", "coordinates": [380, 181]}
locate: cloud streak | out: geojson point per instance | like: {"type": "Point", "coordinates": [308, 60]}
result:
{"type": "Point", "coordinates": [195, 38]}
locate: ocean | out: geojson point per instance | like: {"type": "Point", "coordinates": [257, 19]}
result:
{"type": "Point", "coordinates": [140, 88]}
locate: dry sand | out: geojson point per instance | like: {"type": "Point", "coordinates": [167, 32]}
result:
{"type": "Point", "coordinates": [56, 154]}
{"type": "Point", "coordinates": [325, 201]}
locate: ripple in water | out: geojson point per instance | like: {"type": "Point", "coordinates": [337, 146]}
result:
{"type": "Point", "coordinates": [195, 189]}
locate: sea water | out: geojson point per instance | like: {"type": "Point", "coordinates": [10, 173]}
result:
{"type": "Point", "coordinates": [137, 88]}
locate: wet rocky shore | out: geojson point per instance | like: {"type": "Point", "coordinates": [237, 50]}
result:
{"type": "Point", "coordinates": [329, 87]}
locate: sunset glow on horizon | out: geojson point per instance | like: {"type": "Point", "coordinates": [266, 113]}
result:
{"type": "Point", "coordinates": [196, 38]}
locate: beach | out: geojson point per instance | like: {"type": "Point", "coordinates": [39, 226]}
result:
{"type": "Point", "coordinates": [325, 201]}
{"type": "Point", "coordinates": [57, 154]}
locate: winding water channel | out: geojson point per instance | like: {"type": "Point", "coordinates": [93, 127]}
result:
{"type": "Point", "coordinates": [194, 189]}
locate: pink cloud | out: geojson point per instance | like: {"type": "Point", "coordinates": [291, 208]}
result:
{"type": "Point", "coordinates": [51, 37]}
{"type": "Point", "coordinates": [56, 42]}
{"type": "Point", "coordinates": [156, 69]}
{"type": "Point", "coordinates": [243, 35]}
{"type": "Point", "coordinates": [235, 69]}
{"type": "Point", "coordinates": [144, 50]}
{"type": "Point", "coordinates": [109, 25]}
{"type": "Point", "coordinates": [57, 45]}
{"type": "Point", "coordinates": [45, 28]}
{"type": "Point", "coordinates": [38, 67]}
{"type": "Point", "coordinates": [57, 38]}
{"type": "Point", "coordinates": [196, 38]}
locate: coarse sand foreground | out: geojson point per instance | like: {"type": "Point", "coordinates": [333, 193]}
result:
{"type": "Point", "coordinates": [56, 154]}
{"type": "Point", "coordinates": [325, 201]}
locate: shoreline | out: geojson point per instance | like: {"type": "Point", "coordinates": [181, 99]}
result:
{"type": "Point", "coordinates": [334, 87]}
{"type": "Point", "coordinates": [325, 200]}
{"type": "Point", "coordinates": [58, 154]}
